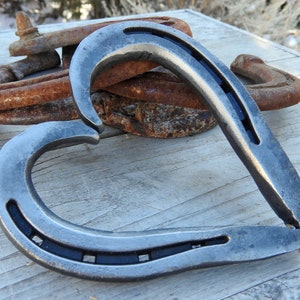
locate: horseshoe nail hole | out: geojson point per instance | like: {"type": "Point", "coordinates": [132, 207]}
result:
{"type": "Point", "coordinates": [143, 257]}
{"type": "Point", "coordinates": [37, 240]}
{"type": "Point", "coordinates": [89, 258]}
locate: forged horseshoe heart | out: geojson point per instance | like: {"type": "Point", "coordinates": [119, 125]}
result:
{"type": "Point", "coordinates": [236, 112]}
{"type": "Point", "coordinates": [62, 246]}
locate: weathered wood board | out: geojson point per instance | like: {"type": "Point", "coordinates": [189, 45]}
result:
{"type": "Point", "coordinates": [134, 183]}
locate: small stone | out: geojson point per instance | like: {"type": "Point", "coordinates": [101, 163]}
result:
{"type": "Point", "coordinates": [290, 41]}
{"type": "Point", "coordinates": [250, 9]}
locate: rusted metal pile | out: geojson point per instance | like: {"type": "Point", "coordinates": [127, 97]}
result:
{"type": "Point", "coordinates": [137, 96]}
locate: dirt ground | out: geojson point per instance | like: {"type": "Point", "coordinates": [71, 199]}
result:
{"type": "Point", "coordinates": [277, 20]}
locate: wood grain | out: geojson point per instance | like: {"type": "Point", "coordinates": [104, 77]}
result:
{"type": "Point", "coordinates": [133, 183]}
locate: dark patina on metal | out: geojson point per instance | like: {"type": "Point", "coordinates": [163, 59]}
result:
{"type": "Point", "coordinates": [65, 247]}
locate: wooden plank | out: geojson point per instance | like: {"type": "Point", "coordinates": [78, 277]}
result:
{"type": "Point", "coordinates": [285, 286]}
{"type": "Point", "coordinates": [133, 183]}
{"type": "Point", "coordinates": [290, 65]}
{"type": "Point", "coordinates": [225, 41]}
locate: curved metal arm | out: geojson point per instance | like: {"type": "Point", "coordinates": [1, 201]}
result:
{"type": "Point", "coordinates": [234, 109]}
{"type": "Point", "coordinates": [97, 254]}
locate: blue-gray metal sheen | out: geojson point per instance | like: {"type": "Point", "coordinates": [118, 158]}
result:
{"type": "Point", "coordinates": [96, 254]}
{"type": "Point", "coordinates": [236, 112]}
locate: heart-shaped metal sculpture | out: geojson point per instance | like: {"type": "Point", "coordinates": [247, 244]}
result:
{"type": "Point", "coordinates": [65, 247]}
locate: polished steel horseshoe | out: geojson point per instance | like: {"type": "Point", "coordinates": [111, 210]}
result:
{"type": "Point", "coordinates": [65, 247]}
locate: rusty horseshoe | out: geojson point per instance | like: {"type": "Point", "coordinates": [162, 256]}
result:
{"type": "Point", "coordinates": [126, 93]}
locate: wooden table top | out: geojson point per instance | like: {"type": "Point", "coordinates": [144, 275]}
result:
{"type": "Point", "coordinates": [133, 183]}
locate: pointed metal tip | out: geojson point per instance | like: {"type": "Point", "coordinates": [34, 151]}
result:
{"type": "Point", "coordinates": [24, 26]}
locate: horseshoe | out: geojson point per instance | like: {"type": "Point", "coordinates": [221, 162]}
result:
{"type": "Point", "coordinates": [65, 247]}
